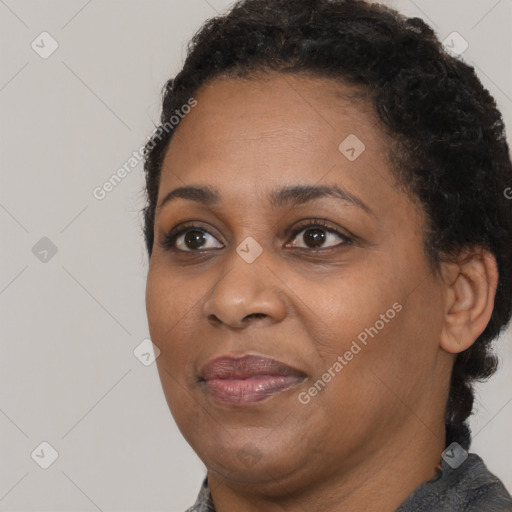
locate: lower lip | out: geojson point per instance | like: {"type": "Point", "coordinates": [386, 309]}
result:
{"type": "Point", "coordinates": [251, 390]}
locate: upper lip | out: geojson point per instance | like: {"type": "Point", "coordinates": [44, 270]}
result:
{"type": "Point", "coordinates": [245, 366]}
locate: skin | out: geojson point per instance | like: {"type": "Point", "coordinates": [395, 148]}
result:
{"type": "Point", "coordinates": [375, 432]}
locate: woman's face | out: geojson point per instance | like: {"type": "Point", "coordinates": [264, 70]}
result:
{"type": "Point", "coordinates": [311, 256]}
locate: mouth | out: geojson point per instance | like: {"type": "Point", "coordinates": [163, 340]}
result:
{"type": "Point", "coordinates": [247, 380]}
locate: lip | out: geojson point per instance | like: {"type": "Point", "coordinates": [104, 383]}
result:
{"type": "Point", "coordinates": [247, 379]}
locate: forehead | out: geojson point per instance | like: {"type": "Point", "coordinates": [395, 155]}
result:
{"type": "Point", "coordinates": [275, 129]}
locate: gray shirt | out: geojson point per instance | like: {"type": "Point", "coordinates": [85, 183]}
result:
{"type": "Point", "coordinates": [471, 487]}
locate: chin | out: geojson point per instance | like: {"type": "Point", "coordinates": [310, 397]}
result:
{"type": "Point", "coordinates": [244, 459]}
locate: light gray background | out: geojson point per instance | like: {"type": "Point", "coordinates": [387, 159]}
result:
{"type": "Point", "coordinates": [70, 325]}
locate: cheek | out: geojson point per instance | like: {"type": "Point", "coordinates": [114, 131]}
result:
{"type": "Point", "coordinates": [352, 306]}
{"type": "Point", "coordinates": [169, 312]}
{"type": "Point", "coordinates": [380, 322]}
{"type": "Point", "coordinates": [168, 308]}
{"type": "Point", "coordinates": [174, 303]}
{"type": "Point", "coordinates": [168, 302]}
{"type": "Point", "coordinates": [158, 306]}
{"type": "Point", "coordinates": [389, 345]}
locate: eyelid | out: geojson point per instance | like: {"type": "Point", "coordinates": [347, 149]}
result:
{"type": "Point", "coordinates": [325, 225]}
{"type": "Point", "coordinates": [169, 239]}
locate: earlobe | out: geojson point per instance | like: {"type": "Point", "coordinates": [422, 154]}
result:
{"type": "Point", "coordinates": [471, 283]}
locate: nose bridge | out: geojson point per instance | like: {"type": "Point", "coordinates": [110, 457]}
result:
{"type": "Point", "coordinates": [247, 287]}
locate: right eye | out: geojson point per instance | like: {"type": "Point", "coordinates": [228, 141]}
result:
{"type": "Point", "coordinates": [189, 238]}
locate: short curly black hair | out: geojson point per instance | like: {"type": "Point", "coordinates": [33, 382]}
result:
{"type": "Point", "coordinates": [449, 146]}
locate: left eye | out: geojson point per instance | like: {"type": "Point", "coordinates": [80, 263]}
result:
{"type": "Point", "coordinates": [316, 236]}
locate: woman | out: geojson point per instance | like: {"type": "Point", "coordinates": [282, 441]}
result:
{"type": "Point", "coordinates": [330, 257]}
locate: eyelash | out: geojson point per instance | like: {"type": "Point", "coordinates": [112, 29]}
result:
{"type": "Point", "coordinates": [170, 238]}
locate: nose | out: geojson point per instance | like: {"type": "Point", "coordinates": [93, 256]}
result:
{"type": "Point", "coordinates": [244, 293]}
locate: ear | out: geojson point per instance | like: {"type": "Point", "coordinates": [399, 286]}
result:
{"type": "Point", "coordinates": [471, 283]}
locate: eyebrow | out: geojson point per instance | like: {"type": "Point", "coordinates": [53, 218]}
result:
{"type": "Point", "coordinates": [288, 196]}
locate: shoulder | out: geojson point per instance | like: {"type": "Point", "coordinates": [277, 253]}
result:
{"type": "Point", "coordinates": [485, 491]}
{"type": "Point", "coordinates": [470, 487]}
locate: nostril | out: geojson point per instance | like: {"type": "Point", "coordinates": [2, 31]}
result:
{"type": "Point", "coordinates": [256, 315]}
{"type": "Point", "coordinates": [213, 318]}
